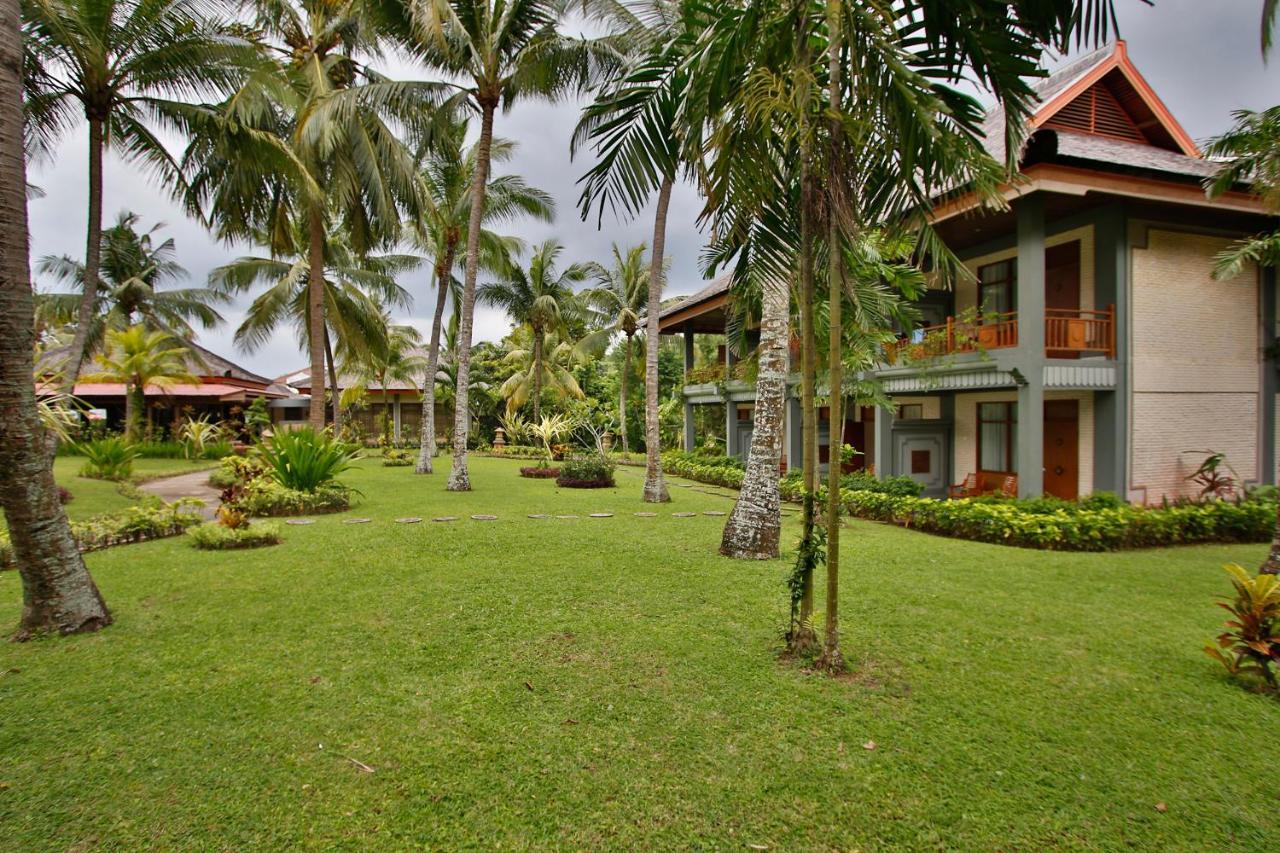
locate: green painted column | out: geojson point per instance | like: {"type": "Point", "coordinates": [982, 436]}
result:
{"type": "Point", "coordinates": [1111, 408]}
{"type": "Point", "coordinates": [884, 443]}
{"type": "Point", "coordinates": [730, 408]}
{"type": "Point", "coordinates": [690, 438]}
{"type": "Point", "coordinates": [1267, 405]}
{"type": "Point", "coordinates": [1030, 357]}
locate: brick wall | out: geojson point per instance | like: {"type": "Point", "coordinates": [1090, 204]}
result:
{"type": "Point", "coordinates": [1194, 372]}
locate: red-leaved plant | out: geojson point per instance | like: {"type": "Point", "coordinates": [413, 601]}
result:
{"type": "Point", "coordinates": [1251, 643]}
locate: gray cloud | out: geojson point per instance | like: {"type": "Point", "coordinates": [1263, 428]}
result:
{"type": "Point", "coordinates": [1202, 58]}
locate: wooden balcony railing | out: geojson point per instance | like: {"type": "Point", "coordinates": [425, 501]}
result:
{"type": "Point", "coordinates": [1067, 332]}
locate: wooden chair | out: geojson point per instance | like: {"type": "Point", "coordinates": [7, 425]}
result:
{"type": "Point", "coordinates": [967, 489]}
{"type": "Point", "coordinates": [1009, 486]}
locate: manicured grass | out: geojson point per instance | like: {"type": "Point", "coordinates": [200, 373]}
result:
{"type": "Point", "coordinates": [612, 683]}
{"type": "Point", "coordinates": [95, 497]}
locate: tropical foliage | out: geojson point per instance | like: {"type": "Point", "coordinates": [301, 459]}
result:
{"type": "Point", "coordinates": [304, 460]}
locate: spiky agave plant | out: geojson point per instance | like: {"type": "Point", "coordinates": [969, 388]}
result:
{"type": "Point", "coordinates": [305, 460]}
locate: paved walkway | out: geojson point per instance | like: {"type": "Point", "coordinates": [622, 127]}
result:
{"type": "Point", "coordinates": [193, 485]}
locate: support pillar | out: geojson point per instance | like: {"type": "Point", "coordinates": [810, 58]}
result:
{"type": "Point", "coordinates": [883, 451]}
{"type": "Point", "coordinates": [395, 414]}
{"type": "Point", "coordinates": [1031, 357]}
{"type": "Point", "coordinates": [690, 436]}
{"type": "Point", "coordinates": [1269, 385]}
{"type": "Point", "coordinates": [1111, 408]}
{"type": "Point", "coordinates": [795, 434]}
{"type": "Point", "coordinates": [688, 353]}
{"type": "Point", "coordinates": [731, 447]}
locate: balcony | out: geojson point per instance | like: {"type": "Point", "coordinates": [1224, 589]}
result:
{"type": "Point", "coordinates": [1068, 333]}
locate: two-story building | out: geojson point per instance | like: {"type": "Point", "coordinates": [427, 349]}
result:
{"type": "Point", "coordinates": [1091, 349]}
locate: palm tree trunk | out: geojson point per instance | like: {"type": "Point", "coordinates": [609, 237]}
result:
{"type": "Point", "coordinates": [460, 477]}
{"type": "Point", "coordinates": [130, 412]}
{"type": "Point", "coordinates": [92, 256]}
{"type": "Point", "coordinates": [622, 390]}
{"type": "Point", "coordinates": [427, 448]}
{"type": "Point", "coordinates": [832, 660]}
{"type": "Point", "coordinates": [655, 488]}
{"type": "Point", "coordinates": [754, 526]}
{"type": "Point", "coordinates": [58, 595]}
{"type": "Point", "coordinates": [803, 639]}
{"type": "Point", "coordinates": [333, 383]}
{"type": "Point", "coordinates": [315, 319]}
{"type": "Point", "coordinates": [1271, 565]}
{"type": "Point", "coordinates": [537, 373]}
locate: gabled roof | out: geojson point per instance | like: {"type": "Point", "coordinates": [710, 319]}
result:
{"type": "Point", "coordinates": [200, 362]}
{"type": "Point", "coordinates": [709, 298]}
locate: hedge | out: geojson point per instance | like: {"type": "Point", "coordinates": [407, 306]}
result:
{"type": "Point", "coordinates": [151, 520]}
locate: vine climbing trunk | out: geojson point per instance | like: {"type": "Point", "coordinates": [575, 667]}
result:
{"type": "Point", "coordinates": [460, 476]}
{"type": "Point", "coordinates": [754, 526]}
{"type": "Point", "coordinates": [655, 487]}
{"type": "Point", "coordinates": [427, 445]}
{"type": "Point", "coordinates": [58, 595]}
{"type": "Point", "coordinates": [803, 639]}
{"type": "Point", "coordinates": [315, 318]}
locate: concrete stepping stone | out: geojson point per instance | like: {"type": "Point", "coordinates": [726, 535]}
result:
{"type": "Point", "coordinates": [712, 512]}
{"type": "Point", "coordinates": [683, 514]}
{"type": "Point", "coordinates": [538, 515]}
{"type": "Point", "coordinates": [484, 518]}
{"type": "Point", "coordinates": [646, 515]}
{"type": "Point", "coordinates": [413, 519]}
{"type": "Point", "coordinates": [683, 485]}
{"type": "Point", "coordinates": [301, 521]}
{"type": "Point", "coordinates": [602, 515]}
{"type": "Point", "coordinates": [445, 518]}
{"type": "Point", "coordinates": [356, 520]}
{"type": "Point", "coordinates": [566, 516]}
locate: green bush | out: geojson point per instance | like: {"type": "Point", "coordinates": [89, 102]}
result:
{"type": "Point", "coordinates": [395, 458]}
{"type": "Point", "coordinates": [585, 472]}
{"type": "Point", "coordinates": [305, 460]}
{"type": "Point", "coordinates": [216, 537]}
{"type": "Point", "coordinates": [237, 471]}
{"type": "Point", "coordinates": [151, 519]}
{"type": "Point", "coordinates": [108, 458]}
{"type": "Point", "coordinates": [264, 497]}
{"type": "Point", "coordinates": [716, 470]}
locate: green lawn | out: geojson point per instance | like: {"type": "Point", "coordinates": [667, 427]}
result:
{"type": "Point", "coordinates": [95, 497]}
{"type": "Point", "coordinates": [612, 683]}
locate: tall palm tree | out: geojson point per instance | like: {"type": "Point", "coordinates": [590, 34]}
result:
{"type": "Point", "coordinates": [356, 291]}
{"type": "Point", "coordinates": [618, 305]}
{"type": "Point", "coordinates": [118, 63]}
{"type": "Point", "coordinates": [310, 143]}
{"type": "Point", "coordinates": [445, 168]}
{"type": "Point", "coordinates": [141, 359]}
{"type": "Point", "coordinates": [397, 359]}
{"type": "Point", "coordinates": [542, 298]}
{"type": "Point", "coordinates": [58, 595]}
{"type": "Point", "coordinates": [542, 361]}
{"type": "Point", "coordinates": [135, 271]}
{"type": "Point", "coordinates": [641, 145]}
{"type": "Point", "coordinates": [506, 51]}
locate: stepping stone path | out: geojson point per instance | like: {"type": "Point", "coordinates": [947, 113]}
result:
{"type": "Point", "coordinates": [713, 512]}
{"type": "Point", "coordinates": [484, 518]}
{"type": "Point", "coordinates": [683, 485]}
{"type": "Point", "coordinates": [539, 515]}
{"type": "Point", "coordinates": [445, 518]}
{"type": "Point", "coordinates": [357, 520]}
{"type": "Point", "coordinates": [410, 520]}
{"type": "Point", "coordinates": [566, 516]}
{"type": "Point", "coordinates": [602, 515]}
{"type": "Point", "coordinates": [646, 515]}
{"type": "Point", "coordinates": [683, 514]}
{"type": "Point", "coordinates": [301, 521]}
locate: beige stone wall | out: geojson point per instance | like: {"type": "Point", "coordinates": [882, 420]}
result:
{"type": "Point", "coordinates": [967, 290]}
{"type": "Point", "coordinates": [965, 451]}
{"type": "Point", "coordinates": [1195, 364]}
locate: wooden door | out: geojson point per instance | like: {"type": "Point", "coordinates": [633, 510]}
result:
{"type": "Point", "coordinates": [1062, 284]}
{"type": "Point", "coordinates": [1062, 448]}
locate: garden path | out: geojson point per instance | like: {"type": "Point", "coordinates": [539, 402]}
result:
{"type": "Point", "coordinates": [192, 485]}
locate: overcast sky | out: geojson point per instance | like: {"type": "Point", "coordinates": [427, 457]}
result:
{"type": "Point", "coordinates": [1202, 58]}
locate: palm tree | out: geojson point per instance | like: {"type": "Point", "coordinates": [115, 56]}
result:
{"type": "Point", "coordinates": [641, 145]}
{"type": "Point", "coordinates": [141, 359]}
{"type": "Point", "coordinates": [505, 51]}
{"type": "Point", "coordinates": [397, 359]}
{"type": "Point", "coordinates": [479, 390]}
{"type": "Point", "coordinates": [310, 143]}
{"type": "Point", "coordinates": [445, 168]}
{"type": "Point", "coordinates": [542, 298]}
{"type": "Point", "coordinates": [542, 361]}
{"type": "Point", "coordinates": [618, 304]}
{"type": "Point", "coordinates": [117, 64]}
{"type": "Point", "coordinates": [132, 287]}
{"type": "Point", "coordinates": [356, 291]}
{"type": "Point", "coordinates": [58, 595]}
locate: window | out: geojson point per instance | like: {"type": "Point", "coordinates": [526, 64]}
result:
{"type": "Point", "coordinates": [294, 414]}
{"type": "Point", "coordinates": [996, 287]}
{"type": "Point", "coordinates": [911, 412]}
{"type": "Point", "coordinates": [998, 437]}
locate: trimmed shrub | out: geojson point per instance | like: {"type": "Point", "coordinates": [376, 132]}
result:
{"type": "Point", "coordinates": [586, 472]}
{"type": "Point", "coordinates": [152, 519]}
{"type": "Point", "coordinates": [108, 458]}
{"type": "Point", "coordinates": [397, 458]}
{"type": "Point", "coordinates": [217, 537]}
{"type": "Point", "coordinates": [265, 498]}
{"type": "Point", "coordinates": [537, 472]}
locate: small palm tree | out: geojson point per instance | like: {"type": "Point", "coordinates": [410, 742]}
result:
{"type": "Point", "coordinates": [445, 169]}
{"type": "Point", "coordinates": [398, 359]}
{"type": "Point", "coordinates": [118, 64]}
{"type": "Point", "coordinates": [505, 51]}
{"type": "Point", "coordinates": [141, 359]}
{"type": "Point", "coordinates": [548, 367]}
{"type": "Point", "coordinates": [135, 271]}
{"type": "Point", "coordinates": [541, 297]}
{"type": "Point", "coordinates": [618, 304]}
